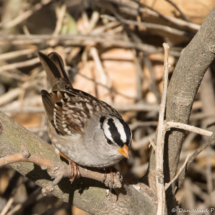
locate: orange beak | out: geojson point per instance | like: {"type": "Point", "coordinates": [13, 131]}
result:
{"type": "Point", "coordinates": [124, 151]}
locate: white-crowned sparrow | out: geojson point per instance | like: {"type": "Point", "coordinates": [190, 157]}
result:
{"type": "Point", "coordinates": [85, 129]}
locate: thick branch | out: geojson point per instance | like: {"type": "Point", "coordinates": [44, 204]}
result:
{"type": "Point", "coordinates": [185, 81]}
{"type": "Point", "coordinates": [96, 199]}
{"type": "Point", "coordinates": [190, 69]}
{"type": "Point", "coordinates": [54, 168]}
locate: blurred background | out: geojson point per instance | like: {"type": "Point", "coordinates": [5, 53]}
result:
{"type": "Point", "coordinates": [113, 50]}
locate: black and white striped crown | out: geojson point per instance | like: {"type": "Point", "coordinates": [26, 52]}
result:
{"type": "Point", "coordinates": [116, 130]}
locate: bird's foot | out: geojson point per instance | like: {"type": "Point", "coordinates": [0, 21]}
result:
{"type": "Point", "coordinates": [74, 167]}
{"type": "Point", "coordinates": [75, 170]}
{"type": "Point", "coordinates": [115, 180]}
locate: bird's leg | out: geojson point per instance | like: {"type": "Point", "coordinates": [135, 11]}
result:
{"type": "Point", "coordinates": [112, 177]}
{"type": "Point", "coordinates": [76, 172]}
{"type": "Point", "coordinates": [111, 170]}
{"type": "Point", "coordinates": [105, 175]}
{"type": "Point", "coordinates": [74, 167]}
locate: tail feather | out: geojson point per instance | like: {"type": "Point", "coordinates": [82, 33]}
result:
{"type": "Point", "coordinates": [54, 67]}
{"type": "Point", "coordinates": [48, 104]}
{"type": "Point", "coordinates": [58, 61]}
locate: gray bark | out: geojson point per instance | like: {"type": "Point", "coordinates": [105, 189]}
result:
{"type": "Point", "coordinates": [138, 199]}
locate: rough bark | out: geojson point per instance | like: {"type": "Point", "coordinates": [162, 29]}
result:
{"type": "Point", "coordinates": [184, 84]}
{"type": "Point", "coordinates": [90, 195]}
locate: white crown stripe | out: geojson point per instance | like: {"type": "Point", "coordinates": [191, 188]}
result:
{"type": "Point", "coordinates": [107, 131]}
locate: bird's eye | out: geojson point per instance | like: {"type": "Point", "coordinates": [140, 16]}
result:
{"type": "Point", "coordinates": [108, 141]}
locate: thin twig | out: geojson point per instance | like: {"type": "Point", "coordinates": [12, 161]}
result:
{"type": "Point", "coordinates": [172, 20]}
{"type": "Point", "coordinates": [178, 22]}
{"type": "Point", "coordinates": [60, 13]}
{"type": "Point", "coordinates": [137, 124]}
{"type": "Point", "coordinates": [179, 172]}
{"type": "Point", "coordinates": [177, 8]}
{"type": "Point", "coordinates": [195, 154]}
{"type": "Point", "coordinates": [189, 195]}
{"type": "Point", "coordinates": [14, 75]}
{"type": "Point", "coordinates": [168, 29]}
{"type": "Point", "coordinates": [153, 86]}
{"type": "Point", "coordinates": [27, 109]}
{"type": "Point", "coordinates": [20, 64]}
{"type": "Point", "coordinates": [93, 21]}
{"type": "Point", "coordinates": [152, 144]}
{"type": "Point", "coordinates": [14, 93]}
{"type": "Point", "coordinates": [188, 140]}
{"type": "Point", "coordinates": [199, 116]}
{"type": "Point", "coordinates": [143, 141]}
{"type": "Point", "coordinates": [24, 15]}
{"type": "Point", "coordinates": [106, 27]}
{"type": "Point", "coordinates": [159, 153]}
{"type": "Point", "coordinates": [14, 54]}
{"type": "Point", "coordinates": [110, 89]}
{"type": "Point", "coordinates": [7, 206]}
{"type": "Point", "coordinates": [188, 128]}
{"type": "Point", "coordinates": [118, 107]}
{"type": "Point", "coordinates": [202, 155]}
{"type": "Point", "coordinates": [117, 16]}
{"type": "Point", "coordinates": [107, 40]}
{"type": "Point", "coordinates": [139, 76]}
{"type": "Point", "coordinates": [103, 76]}
{"type": "Point", "coordinates": [36, 195]}
{"type": "Point", "coordinates": [136, 107]}
{"type": "Point", "coordinates": [201, 148]}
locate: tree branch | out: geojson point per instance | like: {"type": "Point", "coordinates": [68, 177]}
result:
{"type": "Point", "coordinates": [188, 128]}
{"type": "Point", "coordinates": [179, 172]}
{"type": "Point", "coordinates": [58, 169]}
{"type": "Point", "coordinates": [185, 81]}
{"type": "Point", "coordinates": [159, 152]}
{"type": "Point", "coordinates": [96, 199]}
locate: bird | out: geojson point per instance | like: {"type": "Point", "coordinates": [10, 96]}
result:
{"type": "Point", "coordinates": [85, 130]}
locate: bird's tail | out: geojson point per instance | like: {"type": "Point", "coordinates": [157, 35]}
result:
{"type": "Point", "coordinates": [54, 67]}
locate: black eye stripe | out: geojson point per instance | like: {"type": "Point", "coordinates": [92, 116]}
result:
{"type": "Point", "coordinates": [114, 132]}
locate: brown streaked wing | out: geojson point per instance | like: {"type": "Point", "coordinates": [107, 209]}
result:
{"type": "Point", "coordinates": [72, 109]}
{"type": "Point", "coordinates": [98, 104]}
